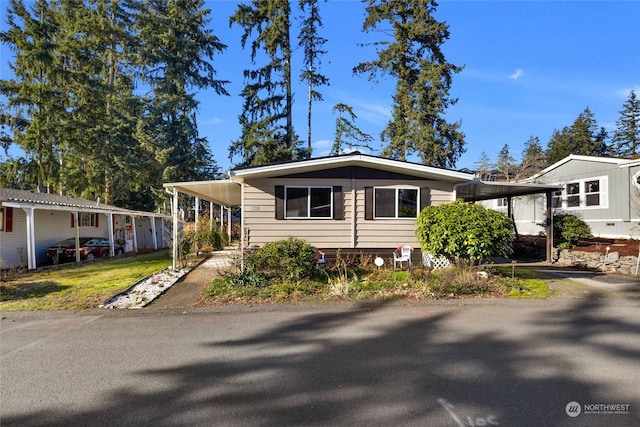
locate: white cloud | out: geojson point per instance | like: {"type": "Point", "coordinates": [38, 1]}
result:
{"type": "Point", "coordinates": [215, 121]}
{"type": "Point", "coordinates": [517, 74]}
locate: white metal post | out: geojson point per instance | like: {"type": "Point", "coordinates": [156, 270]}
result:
{"type": "Point", "coordinates": [174, 211]}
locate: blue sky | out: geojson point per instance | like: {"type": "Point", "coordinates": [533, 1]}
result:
{"type": "Point", "coordinates": [530, 67]}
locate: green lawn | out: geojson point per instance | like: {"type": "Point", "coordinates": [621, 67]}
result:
{"type": "Point", "coordinates": [78, 286]}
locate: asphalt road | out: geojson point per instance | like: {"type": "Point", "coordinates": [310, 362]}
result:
{"type": "Point", "coordinates": [471, 363]}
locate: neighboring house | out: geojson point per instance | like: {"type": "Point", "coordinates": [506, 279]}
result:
{"type": "Point", "coordinates": [604, 192]}
{"type": "Point", "coordinates": [352, 201]}
{"type": "Point", "coordinates": [31, 222]}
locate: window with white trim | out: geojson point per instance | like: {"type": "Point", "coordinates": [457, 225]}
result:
{"type": "Point", "coordinates": [585, 193]}
{"type": "Point", "coordinates": [87, 219]}
{"type": "Point", "coordinates": [396, 202]}
{"type": "Point", "coordinates": [308, 202]}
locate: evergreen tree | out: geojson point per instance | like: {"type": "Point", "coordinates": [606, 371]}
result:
{"type": "Point", "coordinates": [582, 138]}
{"type": "Point", "coordinates": [533, 159]}
{"type": "Point", "coordinates": [423, 79]}
{"type": "Point", "coordinates": [347, 133]}
{"type": "Point", "coordinates": [505, 164]}
{"type": "Point", "coordinates": [626, 137]}
{"type": "Point", "coordinates": [176, 50]}
{"type": "Point", "coordinates": [266, 119]}
{"type": "Point", "coordinates": [35, 97]}
{"type": "Point", "coordinates": [312, 44]}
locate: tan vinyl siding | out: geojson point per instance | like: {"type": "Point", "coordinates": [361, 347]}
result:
{"type": "Point", "coordinates": [262, 227]}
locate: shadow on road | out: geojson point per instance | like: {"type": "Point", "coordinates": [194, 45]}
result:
{"type": "Point", "coordinates": [432, 364]}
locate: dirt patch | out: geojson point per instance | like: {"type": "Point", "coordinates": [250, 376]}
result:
{"type": "Point", "coordinates": [623, 247]}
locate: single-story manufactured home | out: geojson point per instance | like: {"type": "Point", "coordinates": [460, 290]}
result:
{"type": "Point", "coordinates": [602, 191]}
{"type": "Point", "coordinates": [351, 202]}
{"type": "Point", "coordinates": [31, 222]}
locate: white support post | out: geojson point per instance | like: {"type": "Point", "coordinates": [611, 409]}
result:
{"type": "Point", "coordinates": [31, 239]}
{"type": "Point", "coordinates": [210, 216]}
{"type": "Point", "coordinates": [174, 211]}
{"type": "Point", "coordinates": [112, 252]}
{"type": "Point", "coordinates": [135, 234]}
{"type": "Point", "coordinates": [229, 223]}
{"type": "Point", "coordinates": [197, 220]}
{"type": "Point", "coordinates": [77, 224]}
{"type": "Point", "coordinates": [153, 233]}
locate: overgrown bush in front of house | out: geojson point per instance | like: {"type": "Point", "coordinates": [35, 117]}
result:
{"type": "Point", "coordinates": [464, 232]}
{"type": "Point", "coordinates": [291, 259]}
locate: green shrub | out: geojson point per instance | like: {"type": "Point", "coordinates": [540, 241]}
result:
{"type": "Point", "coordinates": [291, 259]}
{"type": "Point", "coordinates": [569, 230]}
{"type": "Point", "coordinates": [464, 231]}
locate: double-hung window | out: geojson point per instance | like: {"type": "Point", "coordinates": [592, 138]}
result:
{"type": "Point", "coordinates": [396, 202]}
{"type": "Point", "coordinates": [308, 202]}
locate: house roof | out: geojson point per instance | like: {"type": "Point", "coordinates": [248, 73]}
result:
{"type": "Point", "coordinates": [571, 157]}
{"type": "Point", "coordinates": [350, 159]}
{"type": "Point", "coordinates": [28, 199]}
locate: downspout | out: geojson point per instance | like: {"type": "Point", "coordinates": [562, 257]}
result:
{"type": "Point", "coordinates": [242, 226]}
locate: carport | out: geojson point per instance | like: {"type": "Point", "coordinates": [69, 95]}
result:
{"type": "Point", "coordinates": [30, 202]}
{"type": "Point", "coordinates": [225, 193]}
{"type": "Point", "coordinates": [476, 191]}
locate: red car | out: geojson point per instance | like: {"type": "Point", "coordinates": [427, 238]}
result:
{"type": "Point", "coordinates": [90, 249]}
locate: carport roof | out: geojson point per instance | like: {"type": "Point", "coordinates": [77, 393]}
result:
{"type": "Point", "coordinates": [474, 191]}
{"type": "Point", "coordinates": [222, 192]}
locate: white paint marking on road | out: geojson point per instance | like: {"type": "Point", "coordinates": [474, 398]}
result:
{"type": "Point", "coordinates": [449, 408]}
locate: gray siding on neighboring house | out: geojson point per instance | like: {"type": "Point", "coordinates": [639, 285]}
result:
{"type": "Point", "coordinates": [619, 215]}
{"type": "Point", "coordinates": [261, 225]}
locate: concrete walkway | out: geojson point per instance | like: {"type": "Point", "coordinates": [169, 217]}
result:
{"type": "Point", "coordinates": [188, 291]}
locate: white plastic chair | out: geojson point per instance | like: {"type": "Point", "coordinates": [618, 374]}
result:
{"type": "Point", "coordinates": [402, 254]}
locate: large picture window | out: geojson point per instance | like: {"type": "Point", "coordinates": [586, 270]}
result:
{"type": "Point", "coordinates": [587, 193]}
{"type": "Point", "coordinates": [396, 202]}
{"type": "Point", "coordinates": [308, 202]}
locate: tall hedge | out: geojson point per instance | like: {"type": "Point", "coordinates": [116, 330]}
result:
{"type": "Point", "coordinates": [464, 232]}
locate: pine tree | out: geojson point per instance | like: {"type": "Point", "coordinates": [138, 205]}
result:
{"type": "Point", "coordinates": [423, 79]}
{"type": "Point", "coordinates": [626, 137]}
{"type": "Point", "coordinates": [582, 138]}
{"type": "Point", "coordinates": [505, 164]}
{"type": "Point", "coordinates": [533, 160]}
{"type": "Point", "coordinates": [35, 97]}
{"type": "Point", "coordinates": [267, 113]}
{"type": "Point", "coordinates": [312, 44]}
{"type": "Point", "coordinates": [176, 50]}
{"type": "Point", "coordinates": [347, 133]}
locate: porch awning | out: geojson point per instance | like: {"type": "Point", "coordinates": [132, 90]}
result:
{"type": "Point", "coordinates": [474, 191]}
{"type": "Point", "coordinates": [221, 192]}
